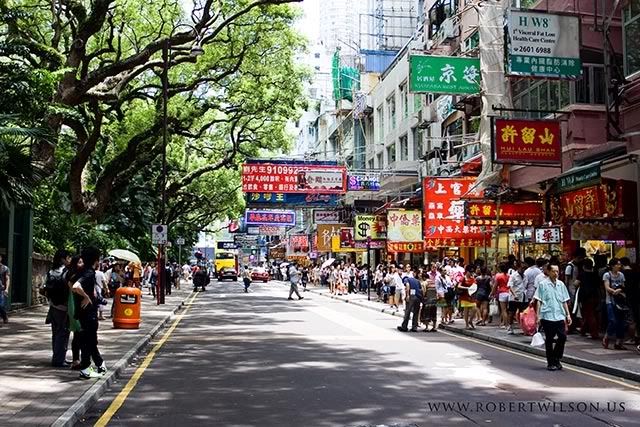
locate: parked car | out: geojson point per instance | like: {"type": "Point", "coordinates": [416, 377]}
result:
{"type": "Point", "coordinates": [228, 273]}
{"type": "Point", "coordinates": [260, 273]}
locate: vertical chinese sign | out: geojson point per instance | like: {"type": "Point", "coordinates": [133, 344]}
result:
{"type": "Point", "coordinates": [533, 142]}
{"type": "Point", "coordinates": [325, 232]}
{"type": "Point", "coordinates": [444, 74]}
{"type": "Point", "coordinates": [444, 214]}
{"type": "Point", "coordinates": [404, 231]}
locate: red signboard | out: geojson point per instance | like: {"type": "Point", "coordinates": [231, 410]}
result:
{"type": "Point", "coordinates": [276, 178]}
{"type": "Point", "coordinates": [527, 213]}
{"type": "Point", "coordinates": [527, 142]}
{"type": "Point", "coordinates": [299, 243]}
{"type": "Point", "coordinates": [444, 213]}
{"type": "Point", "coordinates": [405, 247]}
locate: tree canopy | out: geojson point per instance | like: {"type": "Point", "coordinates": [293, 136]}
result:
{"type": "Point", "coordinates": [90, 73]}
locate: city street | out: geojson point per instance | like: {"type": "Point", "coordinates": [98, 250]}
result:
{"type": "Point", "coordinates": [256, 359]}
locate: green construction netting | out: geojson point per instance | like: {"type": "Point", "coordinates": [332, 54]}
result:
{"type": "Point", "coordinates": [346, 80]}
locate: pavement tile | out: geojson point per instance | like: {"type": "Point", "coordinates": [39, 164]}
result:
{"type": "Point", "coordinates": [34, 393]}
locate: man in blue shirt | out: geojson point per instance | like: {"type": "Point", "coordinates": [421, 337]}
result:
{"type": "Point", "coordinates": [413, 298]}
{"type": "Point", "coordinates": [553, 315]}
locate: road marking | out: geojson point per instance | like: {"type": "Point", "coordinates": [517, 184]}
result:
{"type": "Point", "coordinates": [540, 359]}
{"type": "Point", "coordinates": [133, 381]}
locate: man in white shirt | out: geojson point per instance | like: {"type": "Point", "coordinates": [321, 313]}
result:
{"type": "Point", "coordinates": [400, 293]}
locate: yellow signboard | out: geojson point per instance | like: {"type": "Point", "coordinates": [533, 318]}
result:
{"type": "Point", "coordinates": [335, 246]}
{"type": "Point", "coordinates": [373, 226]}
{"type": "Point", "coordinates": [404, 225]}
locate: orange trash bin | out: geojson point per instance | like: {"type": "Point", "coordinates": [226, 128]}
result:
{"type": "Point", "coordinates": [126, 308]}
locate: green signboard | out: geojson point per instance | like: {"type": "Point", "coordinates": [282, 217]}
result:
{"type": "Point", "coordinates": [585, 176]}
{"type": "Point", "coordinates": [444, 74]}
{"type": "Point", "coordinates": [543, 45]}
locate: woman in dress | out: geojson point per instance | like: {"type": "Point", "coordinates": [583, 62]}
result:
{"type": "Point", "coordinates": [483, 280]}
{"type": "Point", "coordinates": [616, 304]}
{"type": "Point", "coordinates": [467, 301]}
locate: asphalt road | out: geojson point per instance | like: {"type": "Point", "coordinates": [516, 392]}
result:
{"type": "Point", "coordinates": [257, 359]}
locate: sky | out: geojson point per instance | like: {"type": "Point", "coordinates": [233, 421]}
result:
{"type": "Point", "coordinates": [308, 25]}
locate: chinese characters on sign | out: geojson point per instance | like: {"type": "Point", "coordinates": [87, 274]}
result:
{"type": "Point", "coordinates": [547, 235]}
{"type": "Point", "coordinates": [444, 214]}
{"type": "Point", "coordinates": [324, 234]}
{"type": "Point", "coordinates": [298, 243]}
{"type": "Point", "coordinates": [291, 199]}
{"type": "Point", "coordinates": [600, 201]}
{"type": "Point", "coordinates": [527, 141]}
{"type": "Point", "coordinates": [326, 217]}
{"type": "Point", "coordinates": [405, 247]}
{"type": "Point", "coordinates": [544, 45]}
{"type": "Point", "coordinates": [279, 218]}
{"type": "Point", "coordinates": [444, 74]}
{"type": "Point", "coordinates": [363, 181]}
{"type": "Point", "coordinates": [282, 178]}
{"type": "Point", "coordinates": [404, 225]}
{"type": "Point", "coordinates": [526, 213]}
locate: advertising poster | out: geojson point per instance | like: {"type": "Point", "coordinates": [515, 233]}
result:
{"type": "Point", "coordinates": [293, 178]}
{"type": "Point", "coordinates": [370, 226]}
{"type": "Point", "coordinates": [404, 225]}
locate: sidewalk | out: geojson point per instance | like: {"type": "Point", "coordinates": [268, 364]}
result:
{"type": "Point", "coordinates": [579, 351]}
{"type": "Point", "coordinates": [34, 393]}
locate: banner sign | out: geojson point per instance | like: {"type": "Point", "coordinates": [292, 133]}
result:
{"type": "Point", "coordinates": [373, 244]}
{"type": "Point", "coordinates": [444, 213]}
{"type": "Point", "coordinates": [600, 201]}
{"type": "Point", "coordinates": [526, 213]}
{"type": "Point", "coordinates": [547, 235]}
{"type": "Point", "coordinates": [453, 75]}
{"type": "Point", "coordinates": [325, 232]}
{"type": "Point", "coordinates": [299, 243]}
{"type": "Point", "coordinates": [326, 217]}
{"type": "Point", "coordinates": [581, 177]}
{"type": "Point", "coordinates": [245, 240]}
{"type": "Point", "coordinates": [543, 45]}
{"type": "Point", "coordinates": [370, 226]}
{"type": "Point", "coordinates": [277, 218]}
{"type": "Point", "coordinates": [404, 225]}
{"type": "Point", "coordinates": [292, 178]}
{"type": "Point", "coordinates": [337, 246]}
{"type": "Point", "coordinates": [405, 247]}
{"type": "Point", "coordinates": [270, 230]}
{"type": "Point", "coordinates": [601, 230]}
{"type": "Point", "coordinates": [534, 142]}
{"type": "Point", "coordinates": [227, 245]}
{"type": "Point", "coordinates": [277, 253]}
{"type": "Point", "coordinates": [363, 181]}
{"type": "Point", "coordinates": [291, 199]}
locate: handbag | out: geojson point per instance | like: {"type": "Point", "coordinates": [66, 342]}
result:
{"type": "Point", "coordinates": [529, 321]}
{"type": "Point", "coordinates": [494, 309]}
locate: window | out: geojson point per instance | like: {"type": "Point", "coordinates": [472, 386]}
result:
{"type": "Point", "coordinates": [370, 164]}
{"type": "Point", "coordinates": [316, 55]}
{"type": "Point", "coordinates": [391, 105]}
{"type": "Point", "coordinates": [418, 146]}
{"type": "Point", "coordinates": [391, 154]}
{"type": "Point", "coordinates": [379, 160]}
{"type": "Point", "coordinates": [631, 35]}
{"type": "Point", "coordinates": [404, 97]}
{"type": "Point", "coordinates": [317, 67]}
{"type": "Point", "coordinates": [404, 148]}
{"type": "Point", "coordinates": [380, 119]}
{"type": "Point", "coordinates": [471, 42]}
{"type": "Point", "coordinates": [439, 12]}
{"type": "Point", "coordinates": [417, 103]}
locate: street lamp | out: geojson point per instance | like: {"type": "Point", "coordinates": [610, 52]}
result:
{"type": "Point", "coordinates": [196, 50]}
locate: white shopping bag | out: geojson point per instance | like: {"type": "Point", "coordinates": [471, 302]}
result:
{"type": "Point", "coordinates": [537, 340]}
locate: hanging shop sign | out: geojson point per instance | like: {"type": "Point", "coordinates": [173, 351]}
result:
{"type": "Point", "coordinates": [444, 214]}
{"type": "Point", "coordinates": [372, 227]}
{"type": "Point", "coordinates": [543, 45]}
{"type": "Point", "coordinates": [585, 176]}
{"type": "Point", "coordinates": [246, 240]}
{"type": "Point", "coordinates": [277, 253]}
{"type": "Point", "coordinates": [602, 230]}
{"type": "Point", "coordinates": [404, 225]}
{"type": "Point", "coordinates": [227, 245]}
{"type": "Point", "coordinates": [276, 218]}
{"type": "Point", "coordinates": [290, 199]}
{"type": "Point", "coordinates": [547, 235]}
{"type": "Point", "coordinates": [600, 201]}
{"type": "Point", "coordinates": [373, 244]}
{"type": "Point", "coordinates": [337, 245]}
{"type": "Point", "coordinates": [533, 142]}
{"type": "Point", "coordinates": [270, 230]}
{"type": "Point", "coordinates": [511, 214]}
{"type": "Point", "coordinates": [346, 238]}
{"type": "Point", "coordinates": [454, 75]}
{"type": "Point", "coordinates": [298, 243]}
{"type": "Point", "coordinates": [405, 247]}
{"type": "Point", "coordinates": [293, 178]}
{"type": "Point", "coordinates": [369, 181]}
{"type": "Point", "coordinates": [325, 232]}
{"type": "Point", "coordinates": [326, 217]}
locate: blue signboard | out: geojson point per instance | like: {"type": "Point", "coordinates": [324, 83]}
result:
{"type": "Point", "coordinates": [289, 199]}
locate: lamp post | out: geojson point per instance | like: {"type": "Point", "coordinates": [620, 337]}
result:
{"type": "Point", "coordinates": [369, 278]}
{"type": "Point", "coordinates": [196, 50]}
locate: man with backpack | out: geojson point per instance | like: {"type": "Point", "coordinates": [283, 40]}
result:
{"type": "Point", "coordinates": [57, 292]}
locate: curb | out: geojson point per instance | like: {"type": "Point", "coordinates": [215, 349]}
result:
{"type": "Point", "coordinates": [570, 360]}
{"type": "Point", "coordinates": [91, 396]}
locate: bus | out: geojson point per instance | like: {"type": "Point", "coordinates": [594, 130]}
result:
{"type": "Point", "coordinates": [226, 265]}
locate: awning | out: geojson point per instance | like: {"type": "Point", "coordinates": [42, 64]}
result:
{"type": "Point", "coordinates": [578, 177]}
